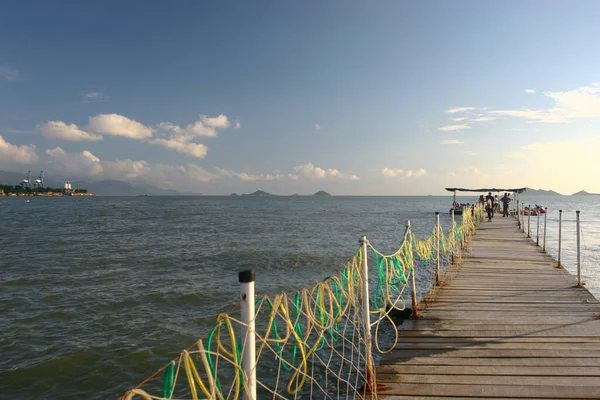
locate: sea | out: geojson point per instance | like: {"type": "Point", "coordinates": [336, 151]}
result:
{"type": "Point", "coordinates": [96, 293]}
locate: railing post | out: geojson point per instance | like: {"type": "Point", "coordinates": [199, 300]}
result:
{"type": "Point", "coordinates": [545, 221]}
{"type": "Point", "coordinates": [437, 240]}
{"type": "Point", "coordinates": [248, 316]}
{"type": "Point", "coordinates": [537, 232]}
{"type": "Point", "coordinates": [454, 233]}
{"type": "Point", "coordinates": [559, 234]}
{"type": "Point", "coordinates": [366, 313]}
{"type": "Point", "coordinates": [415, 309]}
{"type": "Point", "coordinates": [579, 282]}
{"type": "Point", "coordinates": [529, 221]}
{"type": "Point", "coordinates": [518, 216]}
{"type": "Point", "coordinates": [523, 218]}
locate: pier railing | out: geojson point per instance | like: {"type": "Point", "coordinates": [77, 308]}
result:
{"type": "Point", "coordinates": [524, 215]}
{"type": "Point", "coordinates": [317, 342]}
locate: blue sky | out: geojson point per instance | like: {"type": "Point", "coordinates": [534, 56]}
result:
{"type": "Point", "coordinates": [352, 97]}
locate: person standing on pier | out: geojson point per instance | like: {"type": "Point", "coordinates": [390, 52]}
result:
{"type": "Point", "coordinates": [505, 201]}
{"type": "Point", "coordinates": [490, 206]}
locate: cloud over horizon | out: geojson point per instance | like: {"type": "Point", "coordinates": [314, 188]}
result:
{"type": "Point", "coordinates": [397, 172]}
{"type": "Point", "coordinates": [313, 172]}
{"type": "Point", "coordinates": [12, 154]}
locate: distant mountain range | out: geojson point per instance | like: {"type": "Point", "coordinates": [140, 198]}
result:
{"type": "Point", "coordinates": [542, 192]}
{"type": "Point", "coordinates": [263, 193]}
{"type": "Point", "coordinates": [584, 193]}
{"type": "Point", "coordinates": [98, 188]}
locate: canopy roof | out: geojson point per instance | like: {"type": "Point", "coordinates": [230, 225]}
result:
{"type": "Point", "coordinates": [521, 190]}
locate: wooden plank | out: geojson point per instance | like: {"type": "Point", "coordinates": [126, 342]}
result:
{"type": "Point", "coordinates": [489, 370]}
{"type": "Point", "coordinates": [507, 324]}
{"type": "Point", "coordinates": [492, 391]}
{"type": "Point", "coordinates": [495, 380]}
{"type": "Point", "coordinates": [485, 361]}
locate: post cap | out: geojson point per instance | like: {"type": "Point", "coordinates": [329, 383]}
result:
{"type": "Point", "coordinates": [246, 276]}
{"type": "Point", "coordinates": [437, 213]}
{"type": "Point", "coordinates": [559, 210]}
{"type": "Point", "coordinates": [577, 211]}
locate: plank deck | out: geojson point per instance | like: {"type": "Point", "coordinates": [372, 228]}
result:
{"type": "Point", "coordinates": [506, 324]}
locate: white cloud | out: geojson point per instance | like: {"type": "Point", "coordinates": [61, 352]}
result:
{"type": "Point", "coordinates": [237, 125]}
{"type": "Point", "coordinates": [194, 149]}
{"type": "Point", "coordinates": [459, 110]}
{"type": "Point", "coordinates": [250, 177]}
{"type": "Point", "coordinates": [529, 91]}
{"type": "Point", "coordinates": [219, 122]}
{"type": "Point", "coordinates": [452, 173]}
{"type": "Point", "coordinates": [79, 164]}
{"type": "Point", "coordinates": [9, 74]}
{"type": "Point", "coordinates": [87, 165]}
{"type": "Point", "coordinates": [397, 172]}
{"type": "Point", "coordinates": [205, 126]}
{"type": "Point", "coordinates": [311, 171]}
{"type": "Point", "coordinates": [512, 154]}
{"type": "Point", "coordinates": [95, 97]}
{"type": "Point", "coordinates": [458, 119]}
{"type": "Point", "coordinates": [392, 172]}
{"type": "Point", "coordinates": [583, 102]}
{"type": "Point", "coordinates": [482, 119]}
{"type": "Point", "coordinates": [181, 139]}
{"type": "Point", "coordinates": [12, 154]}
{"type": "Point", "coordinates": [471, 153]}
{"type": "Point", "coordinates": [455, 128]}
{"type": "Point", "coordinates": [60, 130]}
{"type": "Point", "coordinates": [451, 141]}
{"type": "Point", "coordinates": [317, 127]}
{"type": "Point", "coordinates": [118, 125]}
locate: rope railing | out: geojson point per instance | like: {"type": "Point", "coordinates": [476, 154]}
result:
{"type": "Point", "coordinates": [315, 342]}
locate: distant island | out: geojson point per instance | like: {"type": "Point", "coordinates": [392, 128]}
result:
{"type": "Point", "coordinates": [541, 192]}
{"type": "Point", "coordinates": [321, 193]}
{"type": "Point", "coordinates": [259, 193]}
{"type": "Point", "coordinates": [584, 193]}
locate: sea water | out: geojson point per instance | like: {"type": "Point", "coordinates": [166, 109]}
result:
{"type": "Point", "coordinates": [97, 293]}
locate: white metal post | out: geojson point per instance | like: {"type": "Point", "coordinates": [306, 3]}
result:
{"type": "Point", "coordinates": [437, 240]}
{"type": "Point", "coordinates": [529, 221]}
{"type": "Point", "coordinates": [518, 216]}
{"type": "Point", "coordinates": [454, 233]}
{"type": "Point", "coordinates": [537, 231]}
{"type": "Point", "coordinates": [366, 312]}
{"type": "Point", "coordinates": [579, 282]}
{"type": "Point", "coordinates": [559, 234]}
{"type": "Point", "coordinates": [523, 214]}
{"type": "Point", "coordinates": [248, 317]}
{"type": "Point", "coordinates": [415, 310]}
{"type": "Point", "coordinates": [545, 221]}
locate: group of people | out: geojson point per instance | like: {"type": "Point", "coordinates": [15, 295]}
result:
{"type": "Point", "coordinates": [492, 204]}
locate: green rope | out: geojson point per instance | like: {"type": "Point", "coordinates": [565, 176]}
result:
{"type": "Point", "coordinates": [168, 380]}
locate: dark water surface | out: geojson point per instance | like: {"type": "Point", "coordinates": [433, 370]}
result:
{"type": "Point", "coordinates": [97, 293]}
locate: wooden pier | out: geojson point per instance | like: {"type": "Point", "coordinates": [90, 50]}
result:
{"type": "Point", "coordinates": [506, 324]}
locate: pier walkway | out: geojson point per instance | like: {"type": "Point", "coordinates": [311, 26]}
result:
{"type": "Point", "coordinates": [506, 324]}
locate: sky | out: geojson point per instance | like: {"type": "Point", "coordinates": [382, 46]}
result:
{"type": "Point", "coordinates": [351, 97]}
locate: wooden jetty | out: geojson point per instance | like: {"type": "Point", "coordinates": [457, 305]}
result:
{"type": "Point", "coordinates": [506, 324]}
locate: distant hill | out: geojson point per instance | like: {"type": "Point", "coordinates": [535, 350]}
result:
{"type": "Point", "coordinates": [99, 188]}
{"type": "Point", "coordinates": [541, 192]}
{"type": "Point", "coordinates": [259, 193]}
{"type": "Point", "coordinates": [321, 193]}
{"type": "Point", "coordinates": [584, 193]}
